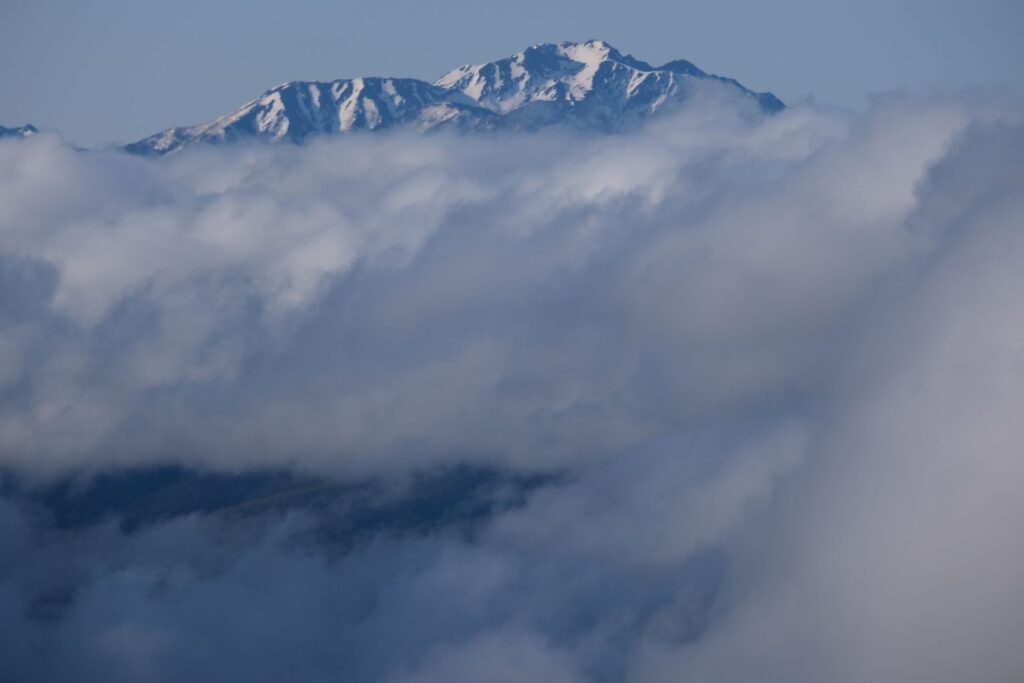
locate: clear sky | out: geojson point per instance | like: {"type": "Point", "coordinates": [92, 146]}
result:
{"type": "Point", "coordinates": [116, 70]}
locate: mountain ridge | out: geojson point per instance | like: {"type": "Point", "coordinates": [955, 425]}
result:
{"type": "Point", "coordinates": [26, 131]}
{"type": "Point", "coordinates": [588, 86]}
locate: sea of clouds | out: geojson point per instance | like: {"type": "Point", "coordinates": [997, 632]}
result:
{"type": "Point", "coordinates": [772, 366]}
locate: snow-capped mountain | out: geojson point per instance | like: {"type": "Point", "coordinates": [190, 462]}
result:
{"type": "Point", "coordinates": [25, 131]}
{"type": "Point", "coordinates": [589, 86]}
{"type": "Point", "coordinates": [296, 110]}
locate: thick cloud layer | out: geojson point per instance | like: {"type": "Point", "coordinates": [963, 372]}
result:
{"type": "Point", "coordinates": [773, 364]}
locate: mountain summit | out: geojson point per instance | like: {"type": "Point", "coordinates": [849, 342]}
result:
{"type": "Point", "coordinates": [591, 83]}
{"type": "Point", "coordinates": [587, 86]}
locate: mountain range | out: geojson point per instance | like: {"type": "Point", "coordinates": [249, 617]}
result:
{"type": "Point", "coordinates": [589, 86]}
{"type": "Point", "coordinates": [18, 131]}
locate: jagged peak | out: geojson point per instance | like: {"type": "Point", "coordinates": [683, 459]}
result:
{"type": "Point", "coordinates": [585, 52]}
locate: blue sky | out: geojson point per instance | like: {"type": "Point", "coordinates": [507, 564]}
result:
{"type": "Point", "coordinates": [117, 70]}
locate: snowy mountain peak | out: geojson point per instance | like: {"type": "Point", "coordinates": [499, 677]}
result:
{"type": "Point", "coordinates": [587, 86]}
{"type": "Point", "coordinates": [544, 72]}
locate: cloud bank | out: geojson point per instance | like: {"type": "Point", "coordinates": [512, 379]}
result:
{"type": "Point", "coordinates": [771, 365]}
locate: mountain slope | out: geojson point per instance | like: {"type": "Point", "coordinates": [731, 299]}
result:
{"type": "Point", "coordinates": [296, 110]}
{"type": "Point", "coordinates": [589, 86]}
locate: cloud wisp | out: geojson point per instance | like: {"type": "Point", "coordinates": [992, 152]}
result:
{"type": "Point", "coordinates": [765, 368]}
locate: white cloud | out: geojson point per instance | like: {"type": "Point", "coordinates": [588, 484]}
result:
{"type": "Point", "coordinates": [775, 363]}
